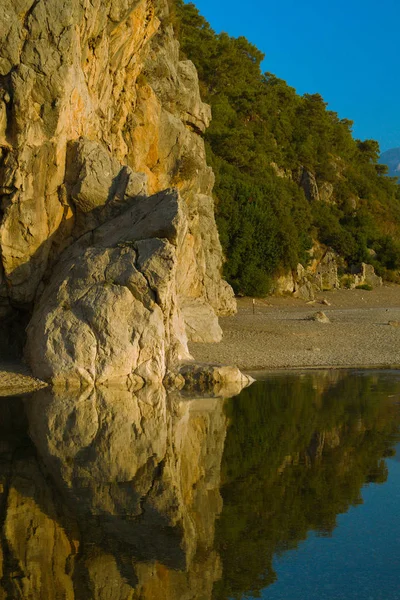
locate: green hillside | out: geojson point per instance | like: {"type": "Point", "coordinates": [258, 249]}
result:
{"type": "Point", "coordinates": [288, 171]}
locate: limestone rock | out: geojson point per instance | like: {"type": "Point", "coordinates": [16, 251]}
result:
{"type": "Point", "coordinates": [362, 274]}
{"type": "Point", "coordinates": [111, 308]}
{"type": "Point", "coordinates": [370, 277]}
{"type": "Point", "coordinates": [365, 274]}
{"type": "Point", "coordinates": [193, 111]}
{"type": "Point", "coordinates": [326, 273]}
{"type": "Point", "coordinates": [320, 317]}
{"type": "Point", "coordinates": [279, 171]}
{"type": "Point", "coordinates": [305, 291]}
{"type": "Point", "coordinates": [285, 284]}
{"type": "Point", "coordinates": [201, 321]}
{"type": "Point", "coordinates": [97, 110]}
{"type": "Point", "coordinates": [214, 379]}
{"type": "Point", "coordinates": [92, 174]}
{"type": "Point", "coordinates": [319, 275]}
{"type": "Point", "coordinates": [314, 192]}
{"type": "Point", "coordinates": [326, 192]}
{"type": "Point", "coordinates": [98, 186]}
{"type": "Point", "coordinates": [309, 185]}
{"type": "Point", "coordinates": [201, 253]}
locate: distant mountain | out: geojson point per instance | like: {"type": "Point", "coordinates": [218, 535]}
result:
{"type": "Point", "coordinates": [397, 455]}
{"type": "Point", "coordinates": [392, 159]}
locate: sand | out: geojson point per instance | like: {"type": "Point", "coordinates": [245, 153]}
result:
{"type": "Point", "coordinates": [281, 334]}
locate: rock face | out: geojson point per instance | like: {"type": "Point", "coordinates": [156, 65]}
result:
{"type": "Point", "coordinates": [364, 274]}
{"type": "Point", "coordinates": [322, 273]}
{"type": "Point", "coordinates": [309, 185]}
{"type": "Point", "coordinates": [97, 112]}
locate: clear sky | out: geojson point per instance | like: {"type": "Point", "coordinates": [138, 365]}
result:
{"type": "Point", "coordinates": [346, 50]}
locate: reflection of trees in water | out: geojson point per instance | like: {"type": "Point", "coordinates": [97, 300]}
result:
{"type": "Point", "coordinates": [297, 452]}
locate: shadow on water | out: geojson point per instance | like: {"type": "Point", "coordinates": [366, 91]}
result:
{"type": "Point", "coordinates": [120, 496]}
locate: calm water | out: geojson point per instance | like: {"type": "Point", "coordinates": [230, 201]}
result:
{"type": "Point", "coordinates": [289, 491]}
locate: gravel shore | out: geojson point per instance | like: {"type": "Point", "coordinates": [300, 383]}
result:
{"type": "Point", "coordinates": [364, 331]}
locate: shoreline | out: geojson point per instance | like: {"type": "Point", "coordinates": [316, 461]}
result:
{"type": "Point", "coordinates": [379, 367]}
{"type": "Point", "coordinates": [363, 333]}
{"type": "Point", "coordinates": [262, 374]}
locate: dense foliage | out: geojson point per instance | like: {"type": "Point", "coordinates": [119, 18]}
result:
{"type": "Point", "coordinates": [297, 454]}
{"type": "Point", "coordinates": [262, 139]}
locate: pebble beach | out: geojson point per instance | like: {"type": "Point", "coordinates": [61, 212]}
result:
{"type": "Point", "coordinates": [280, 333]}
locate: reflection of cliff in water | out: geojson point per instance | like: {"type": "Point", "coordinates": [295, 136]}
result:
{"type": "Point", "coordinates": [118, 495]}
{"type": "Point", "coordinates": [132, 507]}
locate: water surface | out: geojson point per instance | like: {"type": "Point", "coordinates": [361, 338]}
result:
{"type": "Point", "coordinates": [290, 490]}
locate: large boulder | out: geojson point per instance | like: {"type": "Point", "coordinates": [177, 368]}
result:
{"type": "Point", "coordinates": [111, 308]}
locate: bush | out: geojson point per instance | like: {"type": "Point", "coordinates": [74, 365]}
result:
{"type": "Point", "coordinates": [253, 281]}
{"type": "Point", "coordinates": [364, 286]}
{"type": "Point", "coordinates": [186, 168]}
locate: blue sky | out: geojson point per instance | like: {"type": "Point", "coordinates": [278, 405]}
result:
{"type": "Point", "coordinates": [348, 51]}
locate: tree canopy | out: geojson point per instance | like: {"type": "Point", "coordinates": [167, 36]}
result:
{"type": "Point", "coordinates": [263, 136]}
